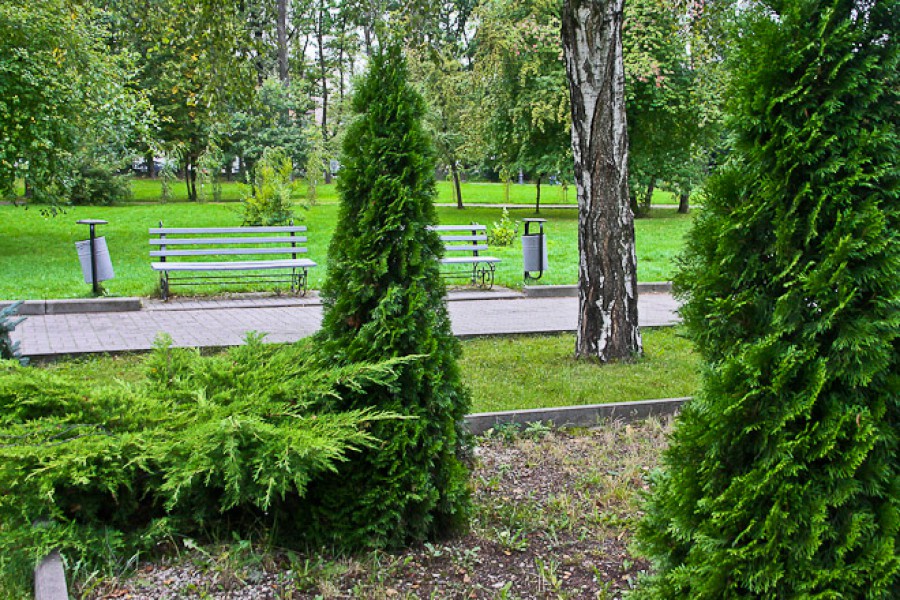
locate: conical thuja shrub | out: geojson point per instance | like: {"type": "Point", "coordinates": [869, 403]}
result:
{"type": "Point", "coordinates": [384, 298]}
{"type": "Point", "coordinates": [782, 479]}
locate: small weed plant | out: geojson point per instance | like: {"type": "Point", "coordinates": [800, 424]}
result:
{"type": "Point", "coordinates": [270, 202]}
{"type": "Point", "coordinates": [503, 233]}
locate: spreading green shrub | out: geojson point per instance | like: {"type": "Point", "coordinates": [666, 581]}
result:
{"type": "Point", "coordinates": [94, 181]}
{"type": "Point", "coordinates": [782, 479]}
{"type": "Point", "coordinates": [8, 322]}
{"type": "Point", "coordinates": [384, 298]}
{"type": "Point", "coordinates": [201, 441]}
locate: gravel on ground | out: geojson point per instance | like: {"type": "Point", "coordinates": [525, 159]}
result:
{"type": "Point", "coordinates": [554, 517]}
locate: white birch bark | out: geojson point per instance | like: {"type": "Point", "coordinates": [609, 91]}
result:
{"type": "Point", "coordinates": [607, 318]}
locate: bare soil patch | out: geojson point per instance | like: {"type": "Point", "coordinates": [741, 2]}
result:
{"type": "Point", "coordinates": [554, 516]}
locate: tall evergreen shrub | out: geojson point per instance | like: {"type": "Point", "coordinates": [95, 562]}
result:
{"type": "Point", "coordinates": [782, 478]}
{"type": "Point", "coordinates": [384, 297]}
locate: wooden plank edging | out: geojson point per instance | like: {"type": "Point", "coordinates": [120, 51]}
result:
{"type": "Point", "coordinates": [577, 416]}
{"type": "Point", "coordinates": [50, 579]}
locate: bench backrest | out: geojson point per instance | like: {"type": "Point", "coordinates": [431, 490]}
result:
{"type": "Point", "coordinates": [467, 239]}
{"type": "Point", "coordinates": [173, 242]}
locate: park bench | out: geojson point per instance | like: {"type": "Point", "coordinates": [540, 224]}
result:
{"type": "Point", "coordinates": [230, 255]}
{"type": "Point", "coordinates": [463, 245]}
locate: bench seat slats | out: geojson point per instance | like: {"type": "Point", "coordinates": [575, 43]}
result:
{"type": "Point", "coordinates": [226, 241]}
{"type": "Point", "coordinates": [463, 238]}
{"type": "Point", "coordinates": [246, 265]}
{"type": "Point", "coordinates": [460, 260]}
{"type": "Point", "coordinates": [466, 248]}
{"type": "Point", "coordinates": [227, 251]}
{"type": "Point", "coordinates": [227, 255]}
{"type": "Point", "coordinates": [475, 227]}
{"type": "Point", "coordinates": [225, 230]}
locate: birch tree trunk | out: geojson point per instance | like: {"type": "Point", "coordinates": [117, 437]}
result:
{"type": "Point", "coordinates": [607, 273]}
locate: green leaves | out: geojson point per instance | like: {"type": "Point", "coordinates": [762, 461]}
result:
{"type": "Point", "coordinates": [782, 479]}
{"type": "Point", "coordinates": [384, 300]}
{"type": "Point", "coordinates": [240, 433]}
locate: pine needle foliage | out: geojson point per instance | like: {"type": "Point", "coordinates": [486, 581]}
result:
{"type": "Point", "coordinates": [782, 479]}
{"type": "Point", "coordinates": [8, 322]}
{"type": "Point", "coordinates": [200, 442]}
{"type": "Point", "coordinates": [384, 299]}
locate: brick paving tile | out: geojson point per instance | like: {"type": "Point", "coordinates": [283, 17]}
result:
{"type": "Point", "coordinates": [285, 319]}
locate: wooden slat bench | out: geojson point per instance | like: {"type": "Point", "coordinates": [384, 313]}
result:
{"type": "Point", "coordinates": [463, 245]}
{"type": "Point", "coordinates": [217, 255]}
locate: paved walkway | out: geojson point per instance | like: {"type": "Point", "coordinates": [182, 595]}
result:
{"type": "Point", "coordinates": [209, 323]}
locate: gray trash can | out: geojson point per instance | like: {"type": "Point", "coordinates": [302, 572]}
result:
{"type": "Point", "coordinates": [534, 249]}
{"type": "Point", "coordinates": [101, 252]}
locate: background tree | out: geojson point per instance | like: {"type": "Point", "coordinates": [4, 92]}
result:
{"type": "Point", "coordinates": [277, 117]}
{"type": "Point", "coordinates": [67, 109]}
{"type": "Point", "coordinates": [664, 118]}
{"type": "Point", "coordinates": [524, 103]}
{"type": "Point", "coordinates": [782, 477]}
{"type": "Point", "coordinates": [607, 275]}
{"type": "Point", "coordinates": [384, 297]}
{"type": "Point", "coordinates": [447, 86]}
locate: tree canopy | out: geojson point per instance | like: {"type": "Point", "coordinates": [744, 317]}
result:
{"type": "Point", "coordinates": [61, 94]}
{"type": "Point", "coordinates": [782, 476]}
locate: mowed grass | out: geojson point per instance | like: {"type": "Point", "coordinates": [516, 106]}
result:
{"type": "Point", "coordinates": [38, 258]}
{"type": "Point", "coordinates": [475, 192]}
{"type": "Point", "coordinates": [517, 373]}
{"type": "Point", "coordinates": [511, 373]}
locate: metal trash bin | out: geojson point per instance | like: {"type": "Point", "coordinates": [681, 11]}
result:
{"type": "Point", "coordinates": [534, 249]}
{"type": "Point", "coordinates": [96, 266]}
{"type": "Point", "coordinates": [103, 262]}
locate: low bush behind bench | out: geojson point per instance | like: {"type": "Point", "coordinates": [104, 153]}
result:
{"type": "Point", "coordinates": [216, 255]}
{"type": "Point", "coordinates": [463, 245]}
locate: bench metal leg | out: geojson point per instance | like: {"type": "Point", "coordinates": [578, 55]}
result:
{"type": "Point", "coordinates": [299, 282]}
{"type": "Point", "coordinates": [164, 285]}
{"type": "Point", "coordinates": [486, 277]}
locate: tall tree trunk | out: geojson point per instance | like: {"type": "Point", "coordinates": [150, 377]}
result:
{"type": "Point", "coordinates": [150, 163]}
{"type": "Point", "coordinates": [456, 184]}
{"type": "Point", "coordinates": [190, 175]}
{"type": "Point", "coordinates": [537, 198]}
{"type": "Point", "coordinates": [281, 32]}
{"type": "Point", "coordinates": [608, 315]}
{"type": "Point", "coordinates": [684, 203]}
{"type": "Point", "coordinates": [648, 198]}
{"type": "Point", "coordinates": [323, 77]}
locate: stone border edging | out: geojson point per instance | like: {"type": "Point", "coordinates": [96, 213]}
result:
{"type": "Point", "coordinates": [585, 415]}
{"type": "Point", "coordinates": [50, 579]}
{"type": "Point", "coordinates": [76, 306]}
{"type": "Point", "coordinates": [562, 291]}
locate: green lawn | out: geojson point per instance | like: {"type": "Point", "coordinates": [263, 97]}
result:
{"type": "Point", "coordinates": [38, 258]}
{"type": "Point", "coordinates": [149, 190]}
{"type": "Point", "coordinates": [511, 373]}
{"type": "Point", "coordinates": [517, 373]}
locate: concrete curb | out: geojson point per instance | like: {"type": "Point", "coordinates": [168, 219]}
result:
{"type": "Point", "coordinates": [577, 416]}
{"type": "Point", "coordinates": [105, 305]}
{"type": "Point", "coordinates": [50, 579]}
{"type": "Point", "coordinates": [562, 291]}
{"type": "Point", "coordinates": [76, 306]}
